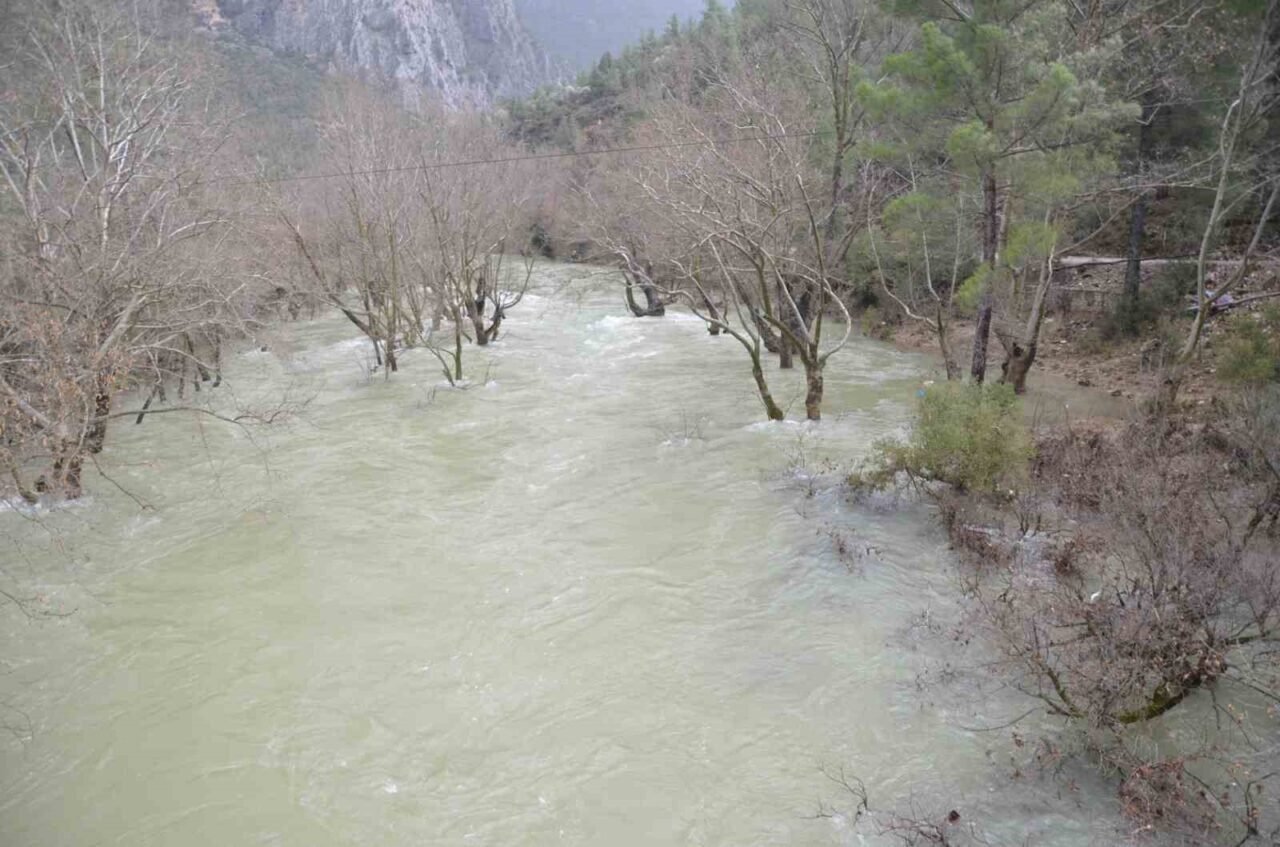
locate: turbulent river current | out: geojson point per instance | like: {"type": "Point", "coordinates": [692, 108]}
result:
{"type": "Point", "coordinates": [590, 599]}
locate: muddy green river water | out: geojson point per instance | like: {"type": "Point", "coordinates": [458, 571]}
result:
{"type": "Point", "coordinates": [590, 600]}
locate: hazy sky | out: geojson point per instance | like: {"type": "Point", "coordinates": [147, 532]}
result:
{"type": "Point", "coordinates": [579, 31]}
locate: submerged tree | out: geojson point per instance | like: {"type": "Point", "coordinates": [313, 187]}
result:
{"type": "Point", "coordinates": [107, 280]}
{"type": "Point", "coordinates": [399, 238]}
{"type": "Point", "coordinates": [1174, 604]}
{"type": "Point", "coordinates": [754, 213]}
{"type": "Point", "coordinates": [355, 233]}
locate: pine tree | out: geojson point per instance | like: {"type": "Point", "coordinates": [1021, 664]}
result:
{"type": "Point", "coordinates": [715, 18]}
{"type": "Point", "coordinates": [991, 90]}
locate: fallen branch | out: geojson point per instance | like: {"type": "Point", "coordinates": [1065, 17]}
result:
{"type": "Point", "coordinates": [1066, 262]}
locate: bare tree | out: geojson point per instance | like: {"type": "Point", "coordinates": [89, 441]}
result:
{"type": "Point", "coordinates": [1239, 158]}
{"type": "Point", "coordinates": [929, 244]}
{"type": "Point", "coordinates": [104, 155]}
{"type": "Point", "coordinates": [400, 238]}
{"type": "Point", "coordinates": [750, 202]}
{"type": "Point", "coordinates": [473, 226]}
{"type": "Point", "coordinates": [1029, 270]}
{"type": "Point", "coordinates": [355, 233]}
{"type": "Point", "coordinates": [837, 41]}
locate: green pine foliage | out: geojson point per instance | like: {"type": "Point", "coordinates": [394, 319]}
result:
{"type": "Point", "coordinates": [991, 102]}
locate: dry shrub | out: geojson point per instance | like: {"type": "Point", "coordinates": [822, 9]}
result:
{"type": "Point", "coordinates": [1167, 590]}
{"type": "Point", "coordinates": [1152, 791]}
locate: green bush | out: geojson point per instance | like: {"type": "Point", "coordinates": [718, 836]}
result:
{"type": "Point", "coordinates": [1251, 356]}
{"type": "Point", "coordinates": [971, 437]}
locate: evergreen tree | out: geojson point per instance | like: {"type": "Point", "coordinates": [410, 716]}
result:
{"type": "Point", "coordinates": [715, 18]}
{"type": "Point", "coordinates": [992, 89]}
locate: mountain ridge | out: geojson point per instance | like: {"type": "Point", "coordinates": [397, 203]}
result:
{"type": "Point", "coordinates": [468, 52]}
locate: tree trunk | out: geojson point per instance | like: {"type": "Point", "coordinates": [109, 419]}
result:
{"type": "Point", "coordinates": [990, 218]}
{"type": "Point", "coordinates": [65, 476]}
{"type": "Point", "coordinates": [786, 355]}
{"type": "Point", "coordinates": [202, 373]}
{"type": "Point", "coordinates": [1137, 221]}
{"type": "Point", "coordinates": [477, 315]}
{"type": "Point", "coordinates": [496, 326]}
{"type": "Point", "coordinates": [71, 472]}
{"type": "Point", "coordinates": [1017, 365]}
{"type": "Point", "coordinates": [813, 392]}
{"type": "Point", "coordinates": [713, 327]}
{"type": "Point", "coordinates": [653, 307]}
{"type": "Point", "coordinates": [981, 338]}
{"type": "Point", "coordinates": [990, 253]}
{"type": "Point", "coordinates": [1133, 259]}
{"type": "Point", "coordinates": [142, 413]}
{"type": "Point", "coordinates": [771, 408]}
{"type": "Point", "coordinates": [768, 337]}
{"type": "Point", "coordinates": [475, 311]}
{"type": "Point", "coordinates": [96, 436]}
{"type": "Point", "coordinates": [837, 184]}
{"type": "Point", "coordinates": [795, 324]}
{"type": "Point", "coordinates": [482, 336]}
{"type": "Point", "coordinates": [1021, 353]}
{"type": "Point", "coordinates": [944, 344]}
{"type": "Point", "coordinates": [217, 359]}
{"type": "Point", "coordinates": [631, 299]}
{"type": "Point", "coordinates": [457, 351]}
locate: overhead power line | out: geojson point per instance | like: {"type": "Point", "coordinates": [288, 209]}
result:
{"type": "Point", "coordinates": [568, 154]}
{"type": "Point", "coordinates": [533, 157]}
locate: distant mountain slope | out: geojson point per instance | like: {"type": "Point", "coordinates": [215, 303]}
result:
{"type": "Point", "coordinates": [469, 51]}
{"type": "Point", "coordinates": [580, 31]}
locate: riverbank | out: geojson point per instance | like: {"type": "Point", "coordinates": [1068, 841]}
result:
{"type": "Point", "coordinates": [1126, 576]}
{"type": "Point", "coordinates": [1079, 352]}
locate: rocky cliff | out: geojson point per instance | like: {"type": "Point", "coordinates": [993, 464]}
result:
{"type": "Point", "coordinates": [469, 51]}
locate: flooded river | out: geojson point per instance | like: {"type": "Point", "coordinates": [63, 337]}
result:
{"type": "Point", "coordinates": [590, 600]}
